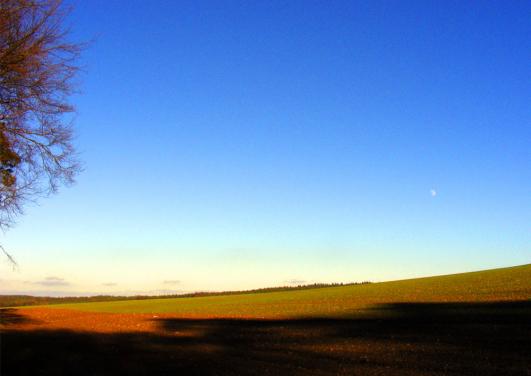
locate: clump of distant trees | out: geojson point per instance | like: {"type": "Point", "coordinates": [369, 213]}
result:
{"type": "Point", "coordinates": [272, 289]}
{"type": "Point", "coordinates": [28, 300]}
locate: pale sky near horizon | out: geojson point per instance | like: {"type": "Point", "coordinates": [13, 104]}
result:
{"type": "Point", "coordinates": [235, 145]}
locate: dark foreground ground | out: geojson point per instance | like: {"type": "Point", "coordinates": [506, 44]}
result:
{"type": "Point", "coordinates": [408, 339]}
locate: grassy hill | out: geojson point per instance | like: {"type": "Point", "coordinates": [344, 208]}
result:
{"type": "Point", "coordinates": [497, 285]}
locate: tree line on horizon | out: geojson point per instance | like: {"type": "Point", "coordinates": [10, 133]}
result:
{"type": "Point", "coordinates": [29, 300]}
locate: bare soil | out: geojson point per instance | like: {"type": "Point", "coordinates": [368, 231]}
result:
{"type": "Point", "coordinates": [415, 339]}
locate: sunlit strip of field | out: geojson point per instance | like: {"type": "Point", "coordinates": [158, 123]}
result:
{"type": "Point", "coordinates": [505, 284]}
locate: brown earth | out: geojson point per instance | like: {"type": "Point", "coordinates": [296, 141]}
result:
{"type": "Point", "coordinates": [416, 339]}
{"type": "Point", "coordinates": [79, 321]}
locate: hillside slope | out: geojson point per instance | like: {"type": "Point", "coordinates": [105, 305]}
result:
{"type": "Point", "coordinates": [496, 285]}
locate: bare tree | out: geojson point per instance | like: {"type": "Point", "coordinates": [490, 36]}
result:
{"type": "Point", "coordinates": [37, 67]}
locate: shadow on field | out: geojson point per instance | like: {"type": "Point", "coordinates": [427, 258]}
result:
{"type": "Point", "coordinates": [393, 339]}
{"type": "Point", "coordinates": [10, 316]}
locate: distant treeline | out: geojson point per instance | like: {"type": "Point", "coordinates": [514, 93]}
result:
{"type": "Point", "coordinates": [271, 289]}
{"type": "Point", "coordinates": [28, 300]}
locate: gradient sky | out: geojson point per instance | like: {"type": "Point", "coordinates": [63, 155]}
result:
{"type": "Point", "coordinates": [233, 145]}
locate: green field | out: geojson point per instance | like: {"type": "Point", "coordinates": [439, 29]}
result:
{"type": "Point", "coordinates": [462, 324]}
{"type": "Point", "coordinates": [497, 285]}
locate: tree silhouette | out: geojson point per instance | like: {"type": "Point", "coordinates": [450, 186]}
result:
{"type": "Point", "coordinates": [37, 67]}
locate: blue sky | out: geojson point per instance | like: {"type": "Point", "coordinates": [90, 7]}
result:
{"type": "Point", "coordinates": [232, 145]}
